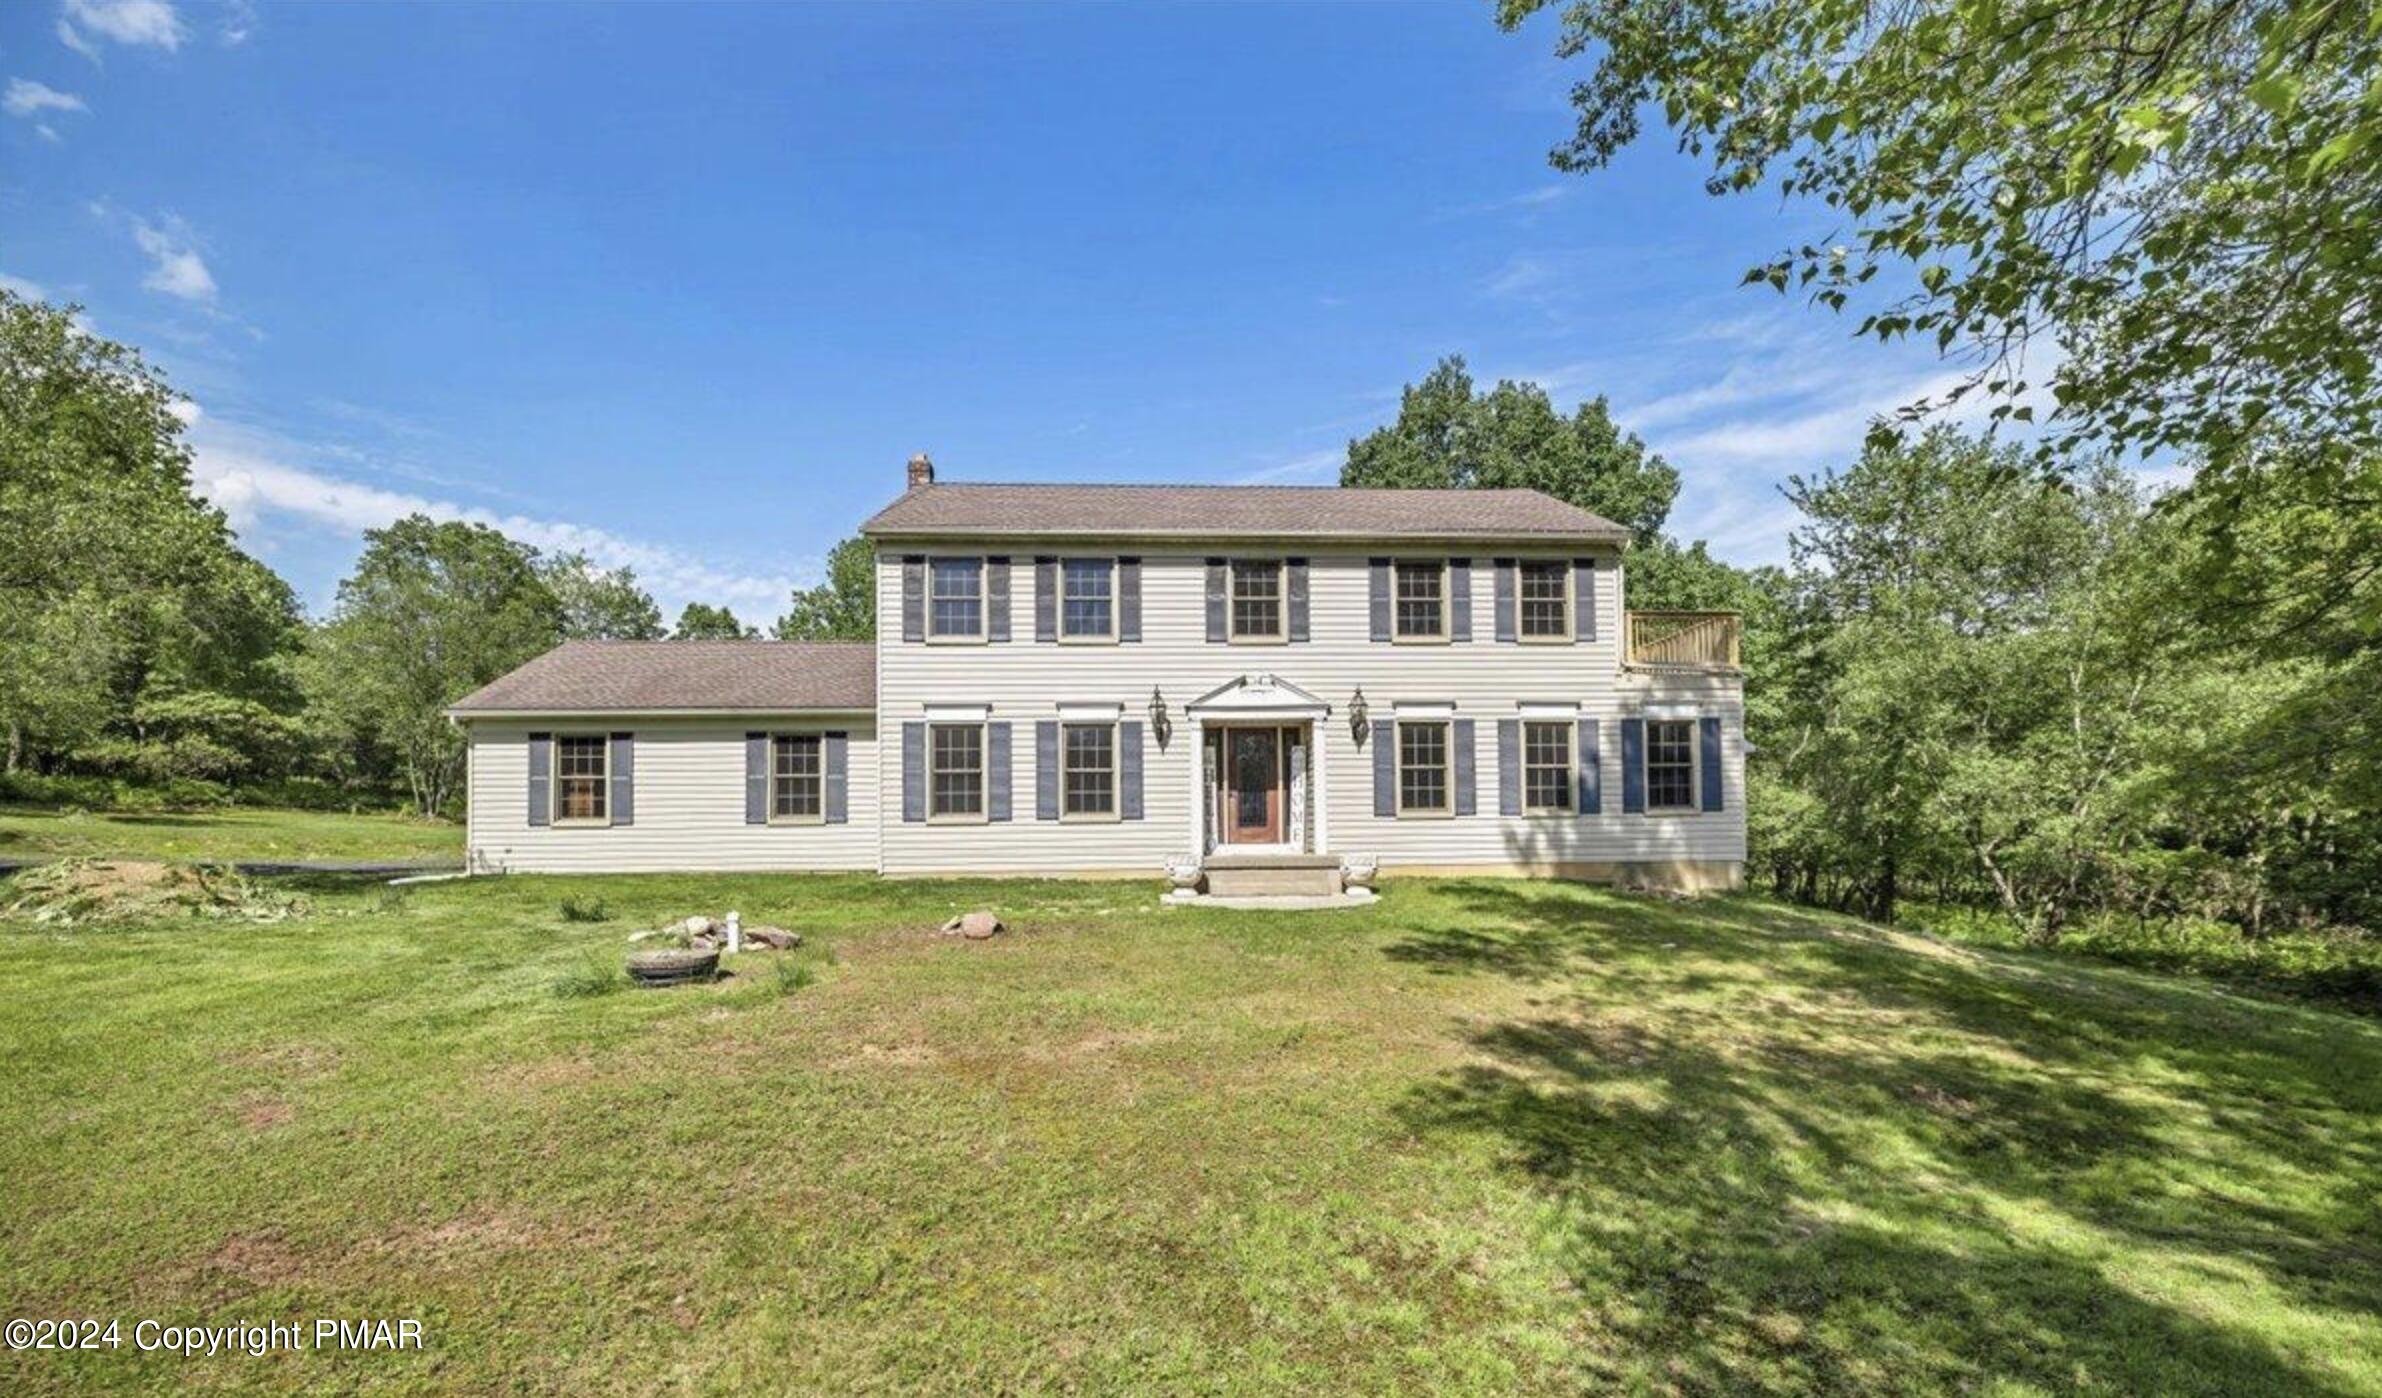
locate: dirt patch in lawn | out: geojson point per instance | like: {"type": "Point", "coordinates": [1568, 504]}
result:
{"type": "Point", "coordinates": [292, 1060]}
{"type": "Point", "coordinates": [259, 1259]}
{"type": "Point", "coordinates": [259, 1113]}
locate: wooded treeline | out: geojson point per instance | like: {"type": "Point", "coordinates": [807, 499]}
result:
{"type": "Point", "coordinates": [145, 657]}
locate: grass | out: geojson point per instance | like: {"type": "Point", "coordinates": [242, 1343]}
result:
{"type": "Point", "coordinates": [1484, 1137]}
{"type": "Point", "coordinates": [36, 833]}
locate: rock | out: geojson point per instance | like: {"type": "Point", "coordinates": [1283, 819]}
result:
{"type": "Point", "coordinates": [652, 932]}
{"type": "Point", "coordinates": [697, 926]}
{"type": "Point", "coordinates": [774, 938]}
{"type": "Point", "coordinates": [975, 926]}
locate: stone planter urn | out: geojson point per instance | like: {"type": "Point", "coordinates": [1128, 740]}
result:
{"type": "Point", "coordinates": [1359, 871]}
{"type": "Point", "coordinates": [1182, 871]}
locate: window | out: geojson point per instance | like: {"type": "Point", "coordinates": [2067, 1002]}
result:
{"type": "Point", "coordinates": [1257, 600]}
{"type": "Point", "coordinates": [796, 786]}
{"type": "Point", "coordinates": [1090, 769]}
{"type": "Point", "coordinates": [1546, 766]}
{"type": "Point", "coordinates": [957, 773]}
{"type": "Point", "coordinates": [1422, 601]}
{"type": "Point", "coordinates": [1670, 764]}
{"type": "Point", "coordinates": [955, 597]}
{"type": "Point", "coordinates": [1087, 598]}
{"type": "Point", "coordinates": [1546, 600]}
{"type": "Point", "coordinates": [579, 786]}
{"type": "Point", "coordinates": [1422, 766]}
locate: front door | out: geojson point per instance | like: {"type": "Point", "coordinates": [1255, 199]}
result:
{"type": "Point", "coordinates": [1253, 786]}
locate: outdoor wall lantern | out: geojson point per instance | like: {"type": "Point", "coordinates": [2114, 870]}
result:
{"type": "Point", "coordinates": [1357, 726]}
{"type": "Point", "coordinates": [1159, 726]}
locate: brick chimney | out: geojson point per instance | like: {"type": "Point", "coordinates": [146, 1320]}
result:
{"type": "Point", "coordinates": [922, 471]}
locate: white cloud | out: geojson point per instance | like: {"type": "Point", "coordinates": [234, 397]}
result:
{"type": "Point", "coordinates": [26, 97]}
{"type": "Point", "coordinates": [239, 21]}
{"type": "Point", "coordinates": [47, 132]}
{"type": "Point", "coordinates": [142, 22]}
{"type": "Point", "coordinates": [18, 286]}
{"type": "Point", "coordinates": [1829, 434]}
{"type": "Point", "coordinates": [245, 474]}
{"type": "Point", "coordinates": [1314, 468]}
{"type": "Point", "coordinates": [175, 265]}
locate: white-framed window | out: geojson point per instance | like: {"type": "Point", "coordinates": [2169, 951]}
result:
{"type": "Point", "coordinates": [797, 778]}
{"type": "Point", "coordinates": [1423, 785]}
{"type": "Point", "coordinates": [1543, 594]}
{"type": "Point", "coordinates": [1256, 599]}
{"type": "Point", "coordinates": [955, 771]}
{"type": "Point", "coordinates": [1088, 771]}
{"type": "Point", "coordinates": [1670, 764]}
{"type": "Point", "coordinates": [955, 598]}
{"type": "Point", "coordinates": [1420, 598]}
{"type": "Point", "coordinates": [1087, 599]}
{"type": "Point", "coordinates": [1546, 765]}
{"type": "Point", "coordinates": [582, 779]}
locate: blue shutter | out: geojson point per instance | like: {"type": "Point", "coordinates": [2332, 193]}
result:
{"type": "Point", "coordinates": [1503, 592]}
{"type": "Point", "coordinates": [1216, 601]}
{"type": "Point", "coordinates": [1467, 798]}
{"type": "Point", "coordinates": [1129, 769]}
{"type": "Point", "coordinates": [1385, 766]}
{"type": "Point", "coordinates": [1046, 769]}
{"type": "Point", "coordinates": [1046, 598]}
{"type": "Point", "coordinates": [913, 771]}
{"type": "Point", "coordinates": [1509, 766]}
{"type": "Point", "coordinates": [913, 597]}
{"type": "Point", "coordinates": [835, 751]}
{"type": "Point", "coordinates": [756, 778]}
{"type": "Point", "coordinates": [1128, 599]}
{"type": "Point", "coordinates": [1298, 599]}
{"type": "Point", "coordinates": [541, 779]}
{"type": "Point", "coordinates": [1592, 777]}
{"type": "Point", "coordinates": [623, 805]}
{"type": "Point", "coordinates": [996, 599]}
{"type": "Point", "coordinates": [1377, 583]}
{"type": "Point", "coordinates": [1633, 766]}
{"type": "Point", "coordinates": [1583, 606]}
{"type": "Point", "coordinates": [1459, 599]}
{"type": "Point", "coordinates": [996, 771]}
{"type": "Point", "coordinates": [1710, 733]}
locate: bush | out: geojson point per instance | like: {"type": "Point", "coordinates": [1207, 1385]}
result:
{"type": "Point", "coordinates": [2342, 967]}
{"type": "Point", "coordinates": [575, 909]}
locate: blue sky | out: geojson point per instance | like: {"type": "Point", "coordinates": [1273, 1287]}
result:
{"type": "Point", "coordinates": [685, 285]}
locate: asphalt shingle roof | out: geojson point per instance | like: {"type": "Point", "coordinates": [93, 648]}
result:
{"type": "Point", "coordinates": [659, 676]}
{"type": "Point", "coordinates": [1221, 511]}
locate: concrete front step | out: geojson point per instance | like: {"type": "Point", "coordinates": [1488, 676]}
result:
{"type": "Point", "coordinates": [1272, 875]}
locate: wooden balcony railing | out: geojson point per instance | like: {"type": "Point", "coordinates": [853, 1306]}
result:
{"type": "Point", "coordinates": [1683, 640]}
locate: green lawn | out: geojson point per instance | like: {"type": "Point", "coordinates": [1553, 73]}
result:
{"type": "Point", "coordinates": [1490, 1137]}
{"type": "Point", "coordinates": [29, 832]}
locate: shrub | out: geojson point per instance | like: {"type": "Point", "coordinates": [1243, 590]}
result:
{"type": "Point", "coordinates": [577, 909]}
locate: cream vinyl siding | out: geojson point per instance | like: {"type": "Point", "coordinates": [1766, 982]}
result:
{"type": "Point", "coordinates": [689, 803]}
{"type": "Point", "coordinates": [1025, 682]}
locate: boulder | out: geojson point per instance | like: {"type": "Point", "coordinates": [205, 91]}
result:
{"type": "Point", "coordinates": [975, 926]}
{"type": "Point", "coordinates": [697, 926]}
{"type": "Point", "coordinates": [774, 938]}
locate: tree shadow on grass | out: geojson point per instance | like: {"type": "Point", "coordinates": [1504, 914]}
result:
{"type": "Point", "coordinates": [1781, 1157]}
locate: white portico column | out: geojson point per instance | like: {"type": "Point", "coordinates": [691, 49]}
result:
{"type": "Point", "coordinates": [1195, 747]}
{"type": "Point", "coordinates": [1318, 738]}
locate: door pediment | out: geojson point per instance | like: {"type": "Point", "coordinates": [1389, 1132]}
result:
{"type": "Point", "coordinates": [1266, 694]}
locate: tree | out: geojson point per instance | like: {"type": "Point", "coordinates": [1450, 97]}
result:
{"type": "Point", "coordinates": [2183, 196]}
{"type": "Point", "coordinates": [844, 607]}
{"type": "Point", "coordinates": [432, 612]}
{"type": "Point", "coordinates": [115, 579]}
{"type": "Point", "coordinates": [600, 605]}
{"type": "Point", "coordinates": [701, 622]}
{"type": "Point", "coordinates": [1448, 436]}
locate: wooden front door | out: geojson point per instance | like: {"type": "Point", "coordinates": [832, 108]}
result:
{"type": "Point", "coordinates": [1253, 813]}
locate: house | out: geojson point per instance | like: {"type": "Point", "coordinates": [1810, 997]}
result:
{"type": "Point", "coordinates": [1081, 679]}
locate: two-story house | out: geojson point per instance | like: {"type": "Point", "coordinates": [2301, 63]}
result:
{"type": "Point", "coordinates": [1079, 678]}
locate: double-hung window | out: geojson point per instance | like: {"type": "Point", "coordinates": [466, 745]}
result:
{"type": "Point", "coordinates": [955, 777]}
{"type": "Point", "coordinates": [1670, 764]}
{"type": "Point", "coordinates": [1087, 599]}
{"type": "Point", "coordinates": [1422, 768]}
{"type": "Point", "coordinates": [1089, 771]}
{"type": "Point", "coordinates": [797, 782]}
{"type": "Point", "coordinates": [1545, 594]}
{"type": "Point", "coordinates": [955, 598]}
{"type": "Point", "coordinates": [1546, 766]}
{"type": "Point", "coordinates": [1421, 601]}
{"type": "Point", "coordinates": [581, 769]}
{"type": "Point", "coordinates": [1257, 599]}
